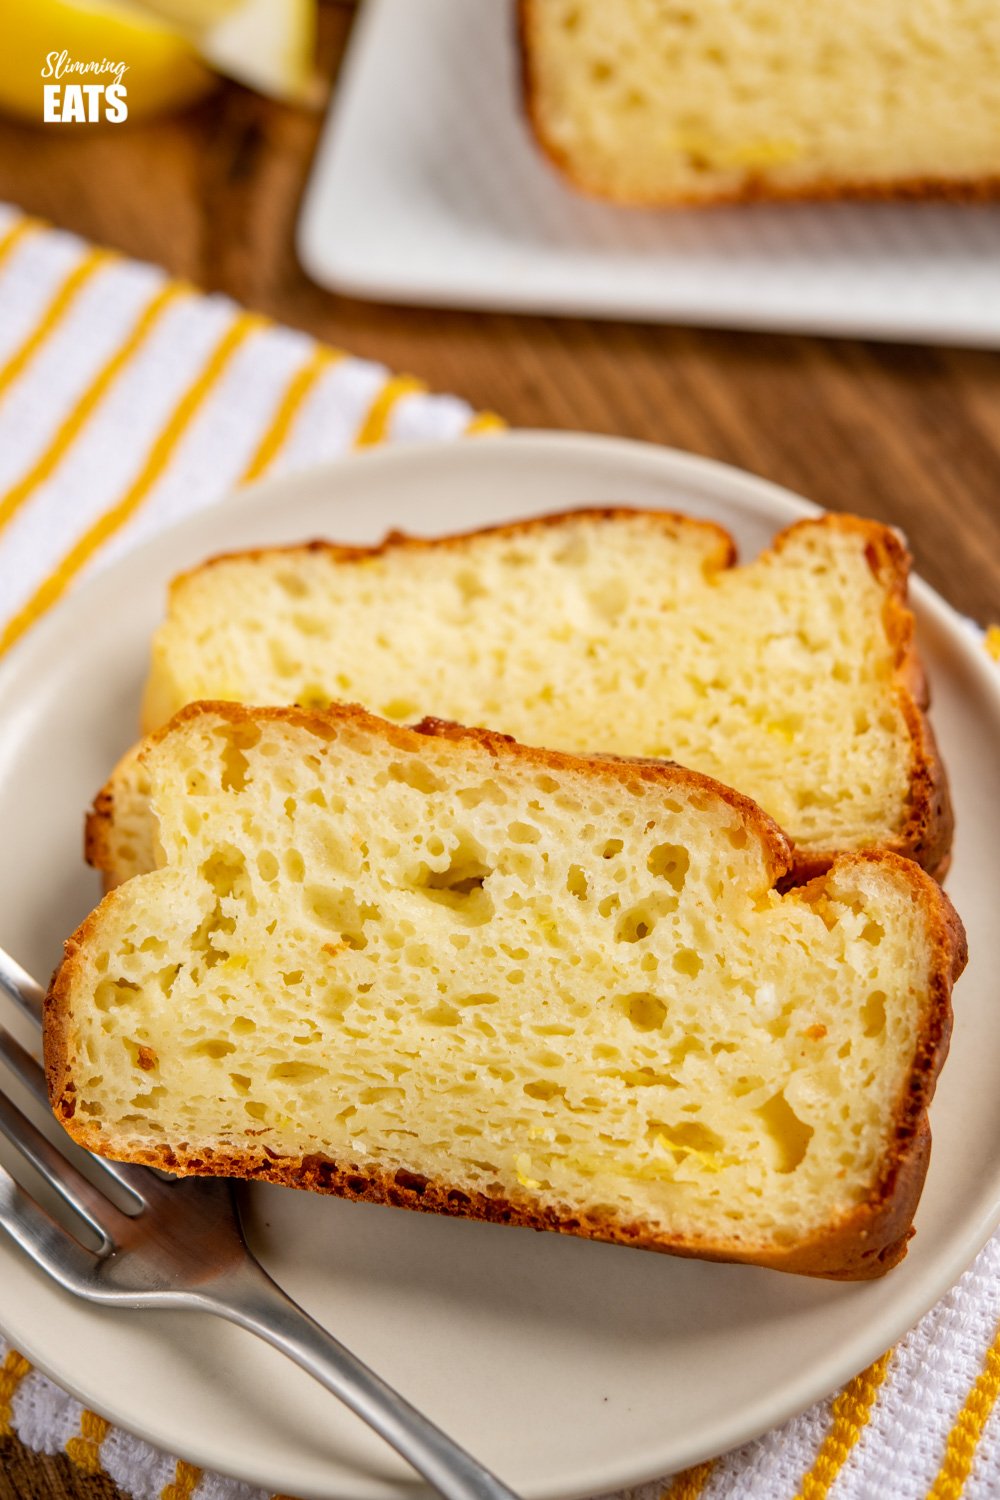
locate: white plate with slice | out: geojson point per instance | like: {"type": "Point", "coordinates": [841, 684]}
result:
{"type": "Point", "coordinates": [428, 188]}
{"type": "Point", "coordinates": [571, 1368]}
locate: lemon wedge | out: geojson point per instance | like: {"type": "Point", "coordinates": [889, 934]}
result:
{"type": "Point", "coordinates": [269, 45]}
{"type": "Point", "coordinates": [163, 66]}
{"type": "Point", "coordinates": [191, 14]}
{"type": "Point", "coordinates": [173, 49]}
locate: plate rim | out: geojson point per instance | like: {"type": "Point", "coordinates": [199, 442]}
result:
{"type": "Point", "coordinates": [676, 467]}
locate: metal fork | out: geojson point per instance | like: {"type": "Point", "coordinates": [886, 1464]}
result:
{"type": "Point", "coordinates": [183, 1246]}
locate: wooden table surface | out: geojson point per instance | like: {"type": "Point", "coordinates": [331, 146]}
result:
{"type": "Point", "coordinates": [908, 434]}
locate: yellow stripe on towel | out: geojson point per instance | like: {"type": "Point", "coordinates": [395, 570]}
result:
{"type": "Point", "coordinates": [850, 1412]}
{"type": "Point", "coordinates": [112, 521]}
{"type": "Point", "coordinates": [85, 1448]}
{"type": "Point", "coordinates": [482, 423]}
{"type": "Point", "coordinates": [70, 428]}
{"type": "Point", "coordinates": [61, 304]}
{"type": "Point", "coordinates": [690, 1483]}
{"type": "Point", "coordinates": [184, 1483]}
{"type": "Point", "coordinates": [15, 234]}
{"type": "Point", "coordinates": [963, 1439]}
{"type": "Point", "coordinates": [13, 1370]}
{"type": "Point", "coordinates": [375, 427]}
{"type": "Point", "coordinates": [301, 383]}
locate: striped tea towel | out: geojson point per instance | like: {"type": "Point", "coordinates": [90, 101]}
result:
{"type": "Point", "coordinates": [128, 400]}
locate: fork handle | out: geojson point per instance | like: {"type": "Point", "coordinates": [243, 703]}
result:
{"type": "Point", "coordinates": [18, 984]}
{"type": "Point", "coordinates": [251, 1300]}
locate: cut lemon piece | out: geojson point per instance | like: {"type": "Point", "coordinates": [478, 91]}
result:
{"type": "Point", "coordinates": [163, 67]}
{"type": "Point", "coordinates": [170, 48]}
{"type": "Point", "coordinates": [191, 15]}
{"type": "Point", "coordinates": [269, 45]}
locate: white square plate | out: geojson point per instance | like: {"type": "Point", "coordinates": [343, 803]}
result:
{"type": "Point", "coordinates": [428, 188]}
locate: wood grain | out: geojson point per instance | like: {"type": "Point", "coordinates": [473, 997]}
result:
{"type": "Point", "coordinates": [908, 434]}
{"type": "Point", "coordinates": [31, 1476]}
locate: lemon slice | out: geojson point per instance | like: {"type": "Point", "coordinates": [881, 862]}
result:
{"type": "Point", "coordinates": [191, 15]}
{"type": "Point", "coordinates": [267, 44]}
{"type": "Point", "coordinates": [163, 66]}
{"type": "Point", "coordinates": [172, 48]}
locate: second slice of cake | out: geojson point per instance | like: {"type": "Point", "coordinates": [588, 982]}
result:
{"type": "Point", "coordinates": [793, 677]}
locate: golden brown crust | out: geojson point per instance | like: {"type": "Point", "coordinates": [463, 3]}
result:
{"type": "Point", "coordinates": [401, 541]}
{"type": "Point", "coordinates": [927, 831]}
{"type": "Point", "coordinates": [98, 848]}
{"type": "Point", "coordinates": [100, 823]}
{"type": "Point", "coordinates": [55, 1028]}
{"type": "Point", "coordinates": [325, 723]}
{"type": "Point", "coordinates": [754, 188]}
{"type": "Point", "coordinates": [100, 820]}
{"type": "Point", "coordinates": [864, 1243]}
{"type": "Point", "coordinates": [859, 1248]}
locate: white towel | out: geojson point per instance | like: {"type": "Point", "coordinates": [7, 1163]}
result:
{"type": "Point", "coordinates": [127, 401]}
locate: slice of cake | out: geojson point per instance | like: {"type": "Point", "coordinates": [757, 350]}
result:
{"type": "Point", "coordinates": [793, 678]}
{"type": "Point", "coordinates": [435, 968]}
{"type": "Point", "coordinates": [669, 101]}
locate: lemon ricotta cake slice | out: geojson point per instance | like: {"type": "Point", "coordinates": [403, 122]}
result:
{"type": "Point", "coordinates": [793, 678]}
{"type": "Point", "coordinates": [435, 968]}
{"type": "Point", "coordinates": [669, 101]}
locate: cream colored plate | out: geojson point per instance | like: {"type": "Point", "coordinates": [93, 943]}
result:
{"type": "Point", "coordinates": [571, 1368]}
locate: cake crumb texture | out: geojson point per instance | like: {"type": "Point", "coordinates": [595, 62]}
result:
{"type": "Point", "coordinates": [437, 967]}
{"type": "Point", "coordinates": [688, 101]}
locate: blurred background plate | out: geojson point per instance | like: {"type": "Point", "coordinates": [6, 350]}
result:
{"type": "Point", "coordinates": [428, 188]}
